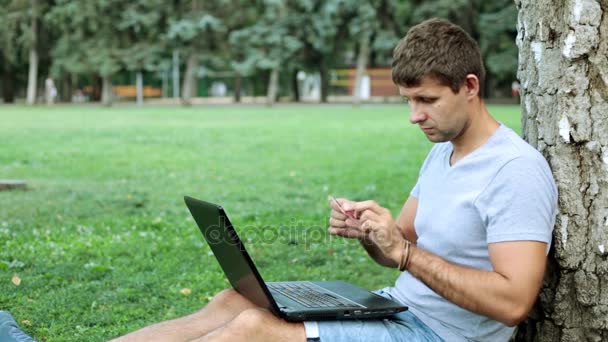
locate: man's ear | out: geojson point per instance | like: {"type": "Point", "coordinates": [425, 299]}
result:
{"type": "Point", "coordinates": [471, 86]}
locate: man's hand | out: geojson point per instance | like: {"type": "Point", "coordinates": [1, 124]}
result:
{"type": "Point", "coordinates": [342, 225]}
{"type": "Point", "coordinates": [380, 229]}
{"type": "Point", "coordinates": [372, 224]}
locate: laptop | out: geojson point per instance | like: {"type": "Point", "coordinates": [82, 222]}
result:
{"type": "Point", "coordinates": [291, 300]}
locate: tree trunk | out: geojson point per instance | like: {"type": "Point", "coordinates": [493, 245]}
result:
{"type": "Point", "coordinates": [362, 59]}
{"type": "Point", "coordinates": [8, 83]}
{"type": "Point", "coordinates": [238, 83]}
{"type": "Point", "coordinates": [106, 91]}
{"type": "Point", "coordinates": [139, 86]}
{"type": "Point", "coordinates": [294, 86]}
{"type": "Point", "coordinates": [175, 74]}
{"type": "Point", "coordinates": [563, 73]}
{"type": "Point", "coordinates": [65, 95]}
{"type": "Point", "coordinates": [165, 84]}
{"type": "Point", "coordinates": [324, 81]}
{"type": "Point", "coordinates": [273, 86]}
{"type": "Point", "coordinates": [189, 88]}
{"type": "Point", "coordinates": [33, 68]}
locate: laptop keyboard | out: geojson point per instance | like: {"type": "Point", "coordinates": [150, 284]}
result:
{"type": "Point", "coordinates": [310, 295]}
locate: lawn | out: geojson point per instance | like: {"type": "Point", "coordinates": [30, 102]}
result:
{"type": "Point", "coordinates": [103, 244]}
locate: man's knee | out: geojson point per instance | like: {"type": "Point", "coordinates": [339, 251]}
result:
{"type": "Point", "coordinates": [251, 319]}
{"type": "Point", "coordinates": [247, 324]}
{"type": "Point", "coordinates": [225, 295]}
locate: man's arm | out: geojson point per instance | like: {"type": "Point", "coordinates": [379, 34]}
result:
{"type": "Point", "coordinates": [505, 294]}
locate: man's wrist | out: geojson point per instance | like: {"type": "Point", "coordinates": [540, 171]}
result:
{"type": "Point", "coordinates": [397, 255]}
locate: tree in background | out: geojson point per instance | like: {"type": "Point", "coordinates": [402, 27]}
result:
{"type": "Point", "coordinates": [20, 34]}
{"type": "Point", "coordinates": [496, 40]}
{"type": "Point", "coordinates": [266, 45]}
{"type": "Point", "coordinates": [88, 42]}
{"type": "Point", "coordinates": [564, 90]}
{"type": "Point", "coordinates": [362, 26]}
{"type": "Point", "coordinates": [96, 41]}
{"type": "Point", "coordinates": [197, 31]}
{"type": "Point", "coordinates": [139, 25]}
{"type": "Point", "coordinates": [322, 28]}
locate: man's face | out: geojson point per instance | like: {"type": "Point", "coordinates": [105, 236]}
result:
{"type": "Point", "coordinates": [441, 114]}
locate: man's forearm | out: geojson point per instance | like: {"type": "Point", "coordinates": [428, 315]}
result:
{"type": "Point", "coordinates": [485, 292]}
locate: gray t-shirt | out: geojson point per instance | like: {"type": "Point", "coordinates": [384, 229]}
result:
{"type": "Point", "coordinates": [502, 191]}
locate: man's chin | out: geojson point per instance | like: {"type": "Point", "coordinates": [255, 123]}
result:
{"type": "Point", "coordinates": [435, 138]}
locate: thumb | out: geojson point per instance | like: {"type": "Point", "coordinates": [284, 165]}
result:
{"type": "Point", "coordinates": [365, 205]}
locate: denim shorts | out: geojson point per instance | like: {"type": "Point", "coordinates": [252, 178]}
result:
{"type": "Point", "coordinates": [403, 326]}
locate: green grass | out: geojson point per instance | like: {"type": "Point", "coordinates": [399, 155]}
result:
{"type": "Point", "coordinates": [103, 243]}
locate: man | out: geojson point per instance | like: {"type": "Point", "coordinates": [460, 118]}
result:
{"type": "Point", "coordinates": [471, 240]}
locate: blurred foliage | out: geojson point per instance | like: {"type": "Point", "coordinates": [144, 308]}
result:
{"type": "Point", "coordinates": [249, 37]}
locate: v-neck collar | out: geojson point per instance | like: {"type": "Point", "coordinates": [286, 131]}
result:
{"type": "Point", "coordinates": [475, 151]}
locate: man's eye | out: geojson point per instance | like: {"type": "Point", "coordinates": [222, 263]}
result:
{"type": "Point", "coordinates": [405, 100]}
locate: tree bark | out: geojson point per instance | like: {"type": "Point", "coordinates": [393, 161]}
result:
{"type": "Point", "coordinates": [106, 91]}
{"type": "Point", "coordinates": [33, 66]}
{"type": "Point", "coordinates": [362, 58]}
{"type": "Point", "coordinates": [563, 72]}
{"type": "Point", "coordinates": [139, 85]}
{"type": "Point", "coordinates": [189, 88]}
{"type": "Point", "coordinates": [273, 86]}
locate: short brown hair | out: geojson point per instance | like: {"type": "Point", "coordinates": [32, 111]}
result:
{"type": "Point", "coordinates": [439, 49]}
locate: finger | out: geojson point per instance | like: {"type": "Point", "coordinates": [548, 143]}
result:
{"type": "Point", "coordinates": [353, 223]}
{"type": "Point", "coordinates": [337, 223]}
{"type": "Point", "coordinates": [369, 226]}
{"type": "Point", "coordinates": [333, 203]}
{"type": "Point", "coordinates": [337, 215]}
{"type": "Point", "coordinates": [347, 233]}
{"type": "Point", "coordinates": [369, 215]}
{"type": "Point", "coordinates": [340, 204]}
{"type": "Point", "coordinates": [365, 205]}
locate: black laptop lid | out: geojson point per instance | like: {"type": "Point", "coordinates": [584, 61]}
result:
{"type": "Point", "coordinates": [230, 252]}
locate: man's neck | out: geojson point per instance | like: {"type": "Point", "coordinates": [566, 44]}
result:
{"type": "Point", "coordinates": [480, 128]}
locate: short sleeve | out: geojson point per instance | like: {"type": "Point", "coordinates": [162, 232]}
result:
{"type": "Point", "coordinates": [520, 202]}
{"type": "Point", "coordinates": [415, 190]}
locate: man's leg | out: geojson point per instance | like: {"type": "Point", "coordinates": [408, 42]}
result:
{"type": "Point", "coordinates": [10, 331]}
{"type": "Point", "coordinates": [257, 325]}
{"type": "Point", "coordinates": [223, 308]}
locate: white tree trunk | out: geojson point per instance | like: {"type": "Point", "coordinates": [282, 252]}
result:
{"type": "Point", "coordinates": [139, 85]}
{"type": "Point", "coordinates": [33, 68]}
{"type": "Point", "coordinates": [175, 74]}
{"type": "Point", "coordinates": [32, 79]}
{"type": "Point", "coordinates": [189, 89]}
{"type": "Point", "coordinates": [106, 91]}
{"type": "Point", "coordinates": [362, 58]}
{"type": "Point", "coordinates": [563, 71]}
{"type": "Point", "coordinates": [273, 87]}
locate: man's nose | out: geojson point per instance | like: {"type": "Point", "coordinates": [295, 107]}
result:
{"type": "Point", "coordinates": [416, 114]}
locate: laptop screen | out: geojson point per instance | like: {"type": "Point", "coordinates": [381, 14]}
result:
{"type": "Point", "coordinates": [230, 252]}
